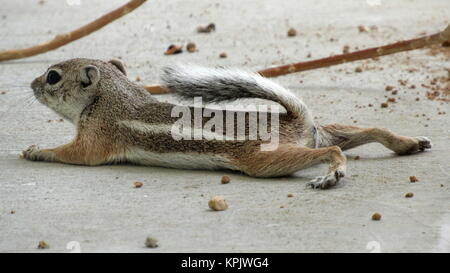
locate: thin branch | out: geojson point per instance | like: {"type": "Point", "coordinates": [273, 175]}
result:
{"type": "Point", "coordinates": [397, 47]}
{"type": "Point", "coordinates": [401, 46]}
{"type": "Point", "coordinates": [156, 89]}
{"type": "Point", "coordinates": [63, 39]}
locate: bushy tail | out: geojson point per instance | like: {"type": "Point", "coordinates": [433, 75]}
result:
{"type": "Point", "coordinates": [221, 84]}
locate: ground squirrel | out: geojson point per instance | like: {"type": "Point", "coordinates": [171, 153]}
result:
{"type": "Point", "coordinates": [119, 121]}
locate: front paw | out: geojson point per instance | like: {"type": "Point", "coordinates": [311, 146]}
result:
{"type": "Point", "coordinates": [31, 153]}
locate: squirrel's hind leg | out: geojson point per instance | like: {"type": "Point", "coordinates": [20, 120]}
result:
{"type": "Point", "coordinates": [347, 137]}
{"type": "Point", "coordinates": [289, 158]}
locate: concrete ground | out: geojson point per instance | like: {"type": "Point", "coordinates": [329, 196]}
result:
{"type": "Point", "coordinates": [98, 209]}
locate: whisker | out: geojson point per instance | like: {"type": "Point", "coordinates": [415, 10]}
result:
{"type": "Point", "coordinates": [14, 85]}
{"type": "Point", "coordinates": [28, 101]}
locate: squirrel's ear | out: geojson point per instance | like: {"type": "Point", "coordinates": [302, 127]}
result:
{"type": "Point", "coordinates": [89, 76]}
{"type": "Point", "coordinates": [120, 65]}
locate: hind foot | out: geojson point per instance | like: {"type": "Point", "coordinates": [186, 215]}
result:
{"type": "Point", "coordinates": [418, 144]}
{"type": "Point", "coordinates": [424, 143]}
{"type": "Point", "coordinates": [326, 182]}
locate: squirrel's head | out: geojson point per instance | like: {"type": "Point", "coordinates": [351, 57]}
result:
{"type": "Point", "coordinates": [70, 86]}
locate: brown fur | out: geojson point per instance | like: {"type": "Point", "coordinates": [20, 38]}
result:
{"type": "Point", "coordinates": [348, 137]}
{"type": "Point", "coordinates": [96, 96]}
{"type": "Point", "coordinates": [289, 158]}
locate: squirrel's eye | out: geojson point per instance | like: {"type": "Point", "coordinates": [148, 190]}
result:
{"type": "Point", "coordinates": [53, 77]}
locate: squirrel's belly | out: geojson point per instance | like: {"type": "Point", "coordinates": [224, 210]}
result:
{"type": "Point", "coordinates": [178, 160]}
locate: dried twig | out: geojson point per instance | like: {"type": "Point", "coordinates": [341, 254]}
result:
{"type": "Point", "coordinates": [63, 39]}
{"type": "Point", "coordinates": [401, 46]}
{"type": "Point", "coordinates": [156, 89]}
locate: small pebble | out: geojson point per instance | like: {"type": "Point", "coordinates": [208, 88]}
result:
{"type": "Point", "coordinates": [376, 216]}
{"type": "Point", "coordinates": [402, 82]}
{"type": "Point", "coordinates": [43, 245]}
{"type": "Point", "coordinates": [191, 47]}
{"type": "Point", "coordinates": [413, 179]}
{"type": "Point", "coordinates": [209, 28]}
{"type": "Point", "coordinates": [358, 69]}
{"type": "Point", "coordinates": [223, 55]}
{"type": "Point", "coordinates": [225, 179]}
{"type": "Point", "coordinates": [151, 242]}
{"type": "Point", "coordinates": [388, 87]}
{"type": "Point", "coordinates": [290, 195]}
{"type": "Point", "coordinates": [346, 49]}
{"type": "Point", "coordinates": [384, 105]}
{"type": "Point", "coordinates": [138, 184]}
{"type": "Point", "coordinates": [218, 203]}
{"type": "Point", "coordinates": [362, 28]}
{"type": "Point", "coordinates": [292, 32]}
{"type": "Point", "coordinates": [173, 49]}
{"type": "Point", "coordinates": [409, 195]}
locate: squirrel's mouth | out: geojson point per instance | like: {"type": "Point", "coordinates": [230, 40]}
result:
{"type": "Point", "coordinates": [39, 94]}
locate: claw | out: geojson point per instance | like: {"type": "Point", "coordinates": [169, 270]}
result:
{"type": "Point", "coordinates": [325, 182]}
{"type": "Point", "coordinates": [314, 183]}
{"type": "Point", "coordinates": [29, 152]}
{"type": "Point", "coordinates": [424, 143]}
